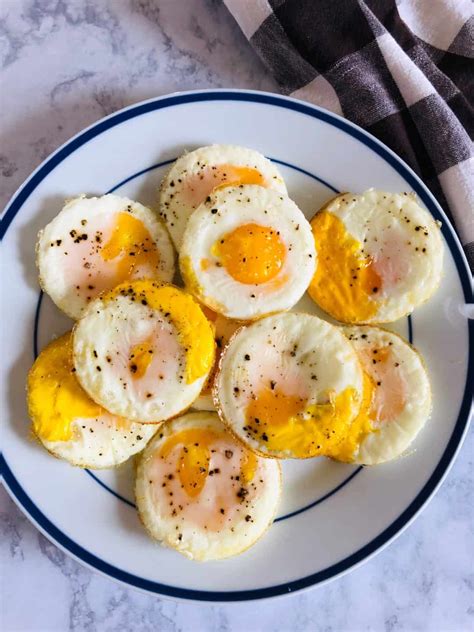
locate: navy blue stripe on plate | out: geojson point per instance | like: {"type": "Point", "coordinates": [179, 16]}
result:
{"type": "Point", "coordinates": [463, 417]}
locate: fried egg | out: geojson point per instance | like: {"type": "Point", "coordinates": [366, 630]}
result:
{"type": "Point", "coordinates": [69, 423]}
{"type": "Point", "coordinates": [224, 328]}
{"type": "Point", "coordinates": [289, 386]}
{"type": "Point", "coordinates": [144, 350]}
{"type": "Point", "coordinates": [397, 397]}
{"type": "Point", "coordinates": [96, 243]}
{"type": "Point", "coordinates": [380, 255]}
{"type": "Point", "coordinates": [247, 252]}
{"type": "Point", "coordinates": [201, 492]}
{"type": "Point", "coordinates": [195, 175]}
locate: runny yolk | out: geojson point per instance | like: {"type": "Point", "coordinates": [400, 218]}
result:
{"type": "Point", "coordinates": [286, 423]}
{"type": "Point", "coordinates": [346, 284]}
{"type": "Point", "coordinates": [195, 456]}
{"type": "Point", "coordinates": [130, 246]}
{"type": "Point", "coordinates": [251, 253]}
{"type": "Point", "coordinates": [141, 356]}
{"type": "Point", "coordinates": [55, 397]}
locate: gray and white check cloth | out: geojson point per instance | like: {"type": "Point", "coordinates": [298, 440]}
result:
{"type": "Point", "coordinates": [402, 70]}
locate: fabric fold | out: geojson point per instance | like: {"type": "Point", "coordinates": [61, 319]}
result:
{"type": "Point", "coordinates": [401, 70]}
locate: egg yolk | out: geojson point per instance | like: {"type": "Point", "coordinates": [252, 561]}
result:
{"type": "Point", "coordinates": [195, 455]}
{"type": "Point", "coordinates": [131, 246]}
{"type": "Point", "coordinates": [251, 254]}
{"type": "Point", "coordinates": [195, 332]}
{"type": "Point", "coordinates": [197, 186]}
{"type": "Point", "coordinates": [55, 397]}
{"type": "Point", "coordinates": [235, 176]}
{"type": "Point", "coordinates": [360, 427]}
{"type": "Point", "coordinates": [346, 284]}
{"type": "Point", "coordinates": [286, 423]}
{"type": "Point", "coordinates": [383, 400]}
{"type": "Point", "coordinates": [141, 356]}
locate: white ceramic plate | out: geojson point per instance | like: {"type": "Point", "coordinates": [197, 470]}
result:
{"type": "Point", "coordinates": [332, 516]}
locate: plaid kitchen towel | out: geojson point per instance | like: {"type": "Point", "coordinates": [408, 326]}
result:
{"type": "Point", "coordinates": [402, 70]}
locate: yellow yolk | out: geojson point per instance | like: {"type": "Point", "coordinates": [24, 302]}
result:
{"type": "Point", "coordinates": [345, 283]}
{"type": "Point", "coordinates": [55, 397]}
{"type": "Point", "coordinates": [188, 274]}
{"type": "Point", "coordinates": [248, 466]}
{"type": "Point", "coordinates": [131, 245]}
{"type": "Point", "coordinates": [140, 357]}
{"type": "Point", "coordinates": [235, 176]}
{"type": "Point", "coordinates": [360, 427]}
{"type": "Point", "coordinates": [195, 332]}
{"type": "Point", "coordinates": [251, 254]}
{"type": "Point", "coordinates": [378, 406]}
{"type": "Point", "coordinates": [195, 455]}
{"type": "Point", "coordinates": [287, 424]}
{"type": "Point", "coordinates": [198, 186]}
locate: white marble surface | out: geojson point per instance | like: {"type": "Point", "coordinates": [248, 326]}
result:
{"type": "Point", "coordinates": [66, 63]}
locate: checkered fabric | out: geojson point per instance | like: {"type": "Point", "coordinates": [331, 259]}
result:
{"type": "Point", "coordinates": [401, 70]}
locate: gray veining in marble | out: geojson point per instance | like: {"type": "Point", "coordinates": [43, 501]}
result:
{"type": "Point", "coordinates": [65, 64]}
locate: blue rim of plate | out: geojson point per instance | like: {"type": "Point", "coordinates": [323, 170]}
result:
{"type": "Point", "coordinates": [454, 442]}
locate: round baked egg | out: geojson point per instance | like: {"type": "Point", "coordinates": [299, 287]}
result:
{"type": "Point", "coordinates": [224, 329]}
{"type": "Point", "coordinates": [201, 492]}
{"type": "Point", "coordinates": [96, 243]}
{"type": "Point", "coordinates": [396, 402]}
{"type": "Point", "coordinates": [289, 386]}
{"type": "Point", "coordinates": [195, 175]}
{"type": "Point", "coordinates": [247, 252]}
{"type": "Point", "coordinates": [68, 423]}
{"type": "Point", "coordinates": [144, 350]}
{"type": "Point", "coordinates": [380, 255]}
